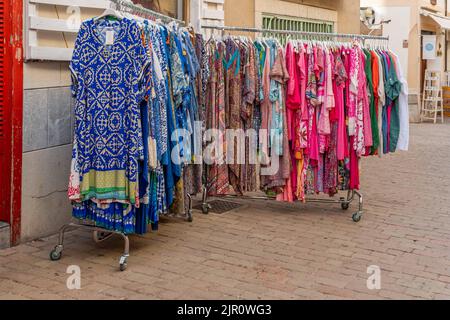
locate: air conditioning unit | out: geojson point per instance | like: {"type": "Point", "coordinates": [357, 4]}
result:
{"type": "Point", "coordinates": [368, 16]}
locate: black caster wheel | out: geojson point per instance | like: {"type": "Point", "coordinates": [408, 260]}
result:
{"type": "Point", "coordinates": [357, 217]}
{"type": "Point", "coordinates": [189, 217]}
{"type": "Point", "coordinates": [123, 263]}
{"type": "Point", "coordinates": [55, 254]}
{"type": "Point", "coordinates": [345, 205]}
{"type": "Point", "coordinates": [205, 209]}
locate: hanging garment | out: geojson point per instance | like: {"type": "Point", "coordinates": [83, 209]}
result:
{"type": "Point", "coordinates": [403, 140]}
{"type": "Point", "coordinates": [318, 108]}
{"type": "Point", "coordinates": [131, 86]}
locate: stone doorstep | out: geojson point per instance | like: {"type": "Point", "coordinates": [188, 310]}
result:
{"type": "Point", "coordinates": [412, 99]}
{"type": "Point", "coordinates": [4, 235]}
{"type": "Point", "coordinates": [414, 113]}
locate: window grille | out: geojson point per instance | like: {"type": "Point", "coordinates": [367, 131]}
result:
{"type": "Point", "coordinates": [294, 24]}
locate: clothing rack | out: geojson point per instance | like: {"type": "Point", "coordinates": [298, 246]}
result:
{"type": "Point", "coordinates": [127, 6]}
{"type": "Point", "coordinates": [301, 33]}
{"type": "Point", "coordinates": [344, 202]}
{"type": "Point", "coordinates": [101, 234]}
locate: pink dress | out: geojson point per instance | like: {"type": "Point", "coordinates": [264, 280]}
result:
{"type": "Point", "coordinates": [353, 91]}
{"type": "Point", "coordinates": [303, 68]}
{"type": "Point", "coordinates": [293, 99]}
{"type": "Point", "coordinates": [340, 76]}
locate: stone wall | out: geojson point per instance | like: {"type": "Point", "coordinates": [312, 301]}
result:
{"type": "Point", "coordinates": [47, 138]}
{"type": "Point", "coordinates": [4, 235]}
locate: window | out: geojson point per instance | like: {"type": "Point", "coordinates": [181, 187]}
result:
{"type": "Point", "coordinates": [295, 24]}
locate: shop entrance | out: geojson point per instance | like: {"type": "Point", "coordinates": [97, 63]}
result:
{"type": "Point", "coordinates": [423, 62]}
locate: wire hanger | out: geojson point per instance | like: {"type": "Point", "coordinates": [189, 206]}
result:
{"type": "Point", "coordinates": [110, 13]}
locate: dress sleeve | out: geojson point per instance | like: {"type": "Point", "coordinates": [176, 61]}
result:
{"type": "Point", "coordinates": [290, 62]}
{"type": "Point", "coordinates": [142, 57]}
{"type": "Point", "coordinates": [76, 63]}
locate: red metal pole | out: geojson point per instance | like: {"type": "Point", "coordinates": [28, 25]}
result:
{"type": "Point", "coordinates": [5, 112]}
{"type": "Point", "coordinates": [17, 118]}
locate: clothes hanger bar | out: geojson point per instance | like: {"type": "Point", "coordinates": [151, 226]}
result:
{"type": "Point", "coordinates": [334, 35]}
{"type": "Point", "coordinates": [144, 11]}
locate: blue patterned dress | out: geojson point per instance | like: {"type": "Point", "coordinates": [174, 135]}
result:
{"type": "Point", "coordinates": [107, 84]}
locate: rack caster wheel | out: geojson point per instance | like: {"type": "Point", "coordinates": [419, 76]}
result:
{"type": "Point", "coordinates": [189, 217]}
{"type": "Point", "coordinates": [357, 217]}
{"type": "Point", "coordinates": [345, 205]}
{"type": "Point", "coordinates": [205, 208]}
{"type": "Point", "coordinates": [123, 263]}
{"type": "Point", "coordinates": [55, 254]}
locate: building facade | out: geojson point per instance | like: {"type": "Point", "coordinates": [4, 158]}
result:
{"type": "Point", "coordinates": [342, 15]}
{"type": "Point", "coordinates": [408, 22]}
{"type": "Point", "coordinates": [37, 121]}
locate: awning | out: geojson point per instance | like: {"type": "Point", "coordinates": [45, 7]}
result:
{"type": "Point", "coordinates": [442, 21]}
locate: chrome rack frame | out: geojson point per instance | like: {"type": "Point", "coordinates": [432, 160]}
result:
{"type": "Point", "coordinates": [343, 201]}
{"type": "Point", "coordinates": [99, 235]}
{"type": "Point", "coordinates": [301, 33]}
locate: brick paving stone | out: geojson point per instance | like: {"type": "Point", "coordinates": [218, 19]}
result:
{"type": "Point", "coordinates": [269, 250]}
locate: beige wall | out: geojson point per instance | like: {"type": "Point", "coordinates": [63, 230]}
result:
{"type": "Point", "coordinates": [344, 13]}
{"type": "Point", "coordinates": [414, 58]}
{"type": "Point", "coordinates": [167, 7]}
{"type": "Point", "coordinates": [416, 22]}
{"type": "Point", "coordinates": [240, 13]}
{"type": "Point", "coordinates": [284, 8]}
{"type": "Point", "coordinates": [52, 74]}
{"type": "Point", "coordinates": [348, 16]}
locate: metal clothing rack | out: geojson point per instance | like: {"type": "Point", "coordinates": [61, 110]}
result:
{"type": "Point", "coordinates": [300, 33]}
{"type": "Point", "coordinates": [343, 201]}
{"type": "Point", "coordinates": [101, 234]}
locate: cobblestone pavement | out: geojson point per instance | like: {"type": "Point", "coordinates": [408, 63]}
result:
{"type": "Point", "coordinates": [267, 250]}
